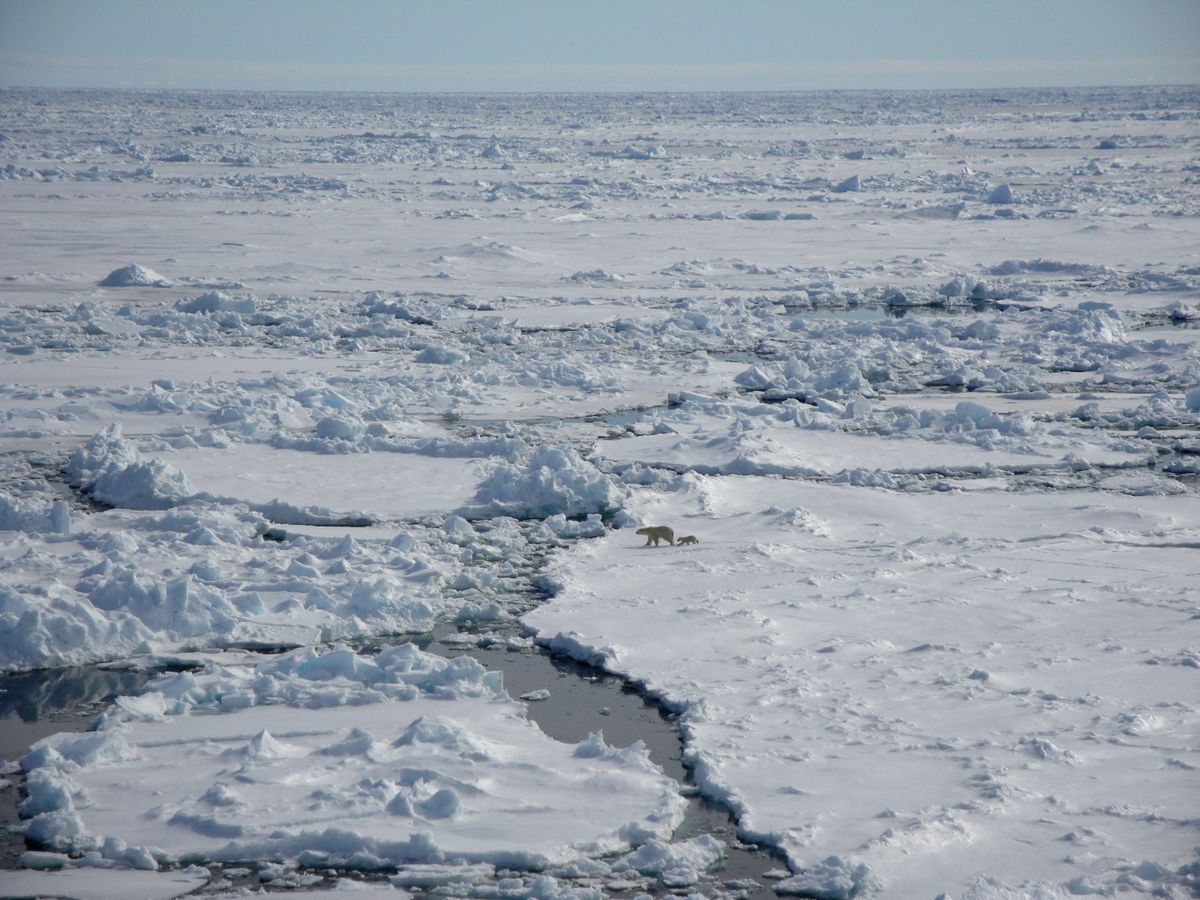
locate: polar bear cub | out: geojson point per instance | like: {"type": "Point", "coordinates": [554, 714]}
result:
{"type": "Point", "coordinates": [688, 539]}
{"type": "Point", "coordinates": [655, 533]}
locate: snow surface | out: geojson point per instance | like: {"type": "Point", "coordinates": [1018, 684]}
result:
{"type": "Point", "coordinates": [91, 883]}
{"type": "Point", "coordinates": [282, 762]}
{"type": "Point", "coordinates": [761, 441]}
{"type": "Point", "coordinates": [920, 372]}
{"type": "Point", "coordinates": [824, 697]}
{"type": "Point", "coordinates": [380, 486]}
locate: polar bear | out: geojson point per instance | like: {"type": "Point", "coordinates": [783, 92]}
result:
{"type": "Point", "coordinates": [688, 539]}
{"type": "Point", "coordinates": [656, 533]}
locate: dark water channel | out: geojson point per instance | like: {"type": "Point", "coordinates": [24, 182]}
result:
{"type": "Point", "coordinates": [582, 700]}
{"type": "Point", "coordinates": [34, 705]}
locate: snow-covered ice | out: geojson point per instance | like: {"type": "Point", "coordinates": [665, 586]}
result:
{"type": "Point", "coordinates": [91, 883]}
{"type": "Point", "coordinates": [285, 761]}
{"type": "Point", "coordinates": [913, 679]}
{"type": "Point", "coordinates": [921, 373]}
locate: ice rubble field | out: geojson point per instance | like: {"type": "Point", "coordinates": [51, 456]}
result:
{"type": "Point", "coordinates": [920, 371]}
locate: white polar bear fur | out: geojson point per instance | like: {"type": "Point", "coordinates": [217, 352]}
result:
{"type": "Point", "coordinates": [656, 533]}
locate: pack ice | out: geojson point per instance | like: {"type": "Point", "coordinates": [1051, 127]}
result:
{"type": "Point", "coordinates": [314, 375]}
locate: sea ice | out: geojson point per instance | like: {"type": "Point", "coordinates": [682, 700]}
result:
{"type": "Point", "coordinates": [1001, 193]}
{"type": "Point", "coordinates": [134, 275]}
{"type": "Point", "coordinates": [340, 760]}
{"type": "Point", "coordinates": [829, 710]}
{"type": "Point", "coordinates": [420, 357]}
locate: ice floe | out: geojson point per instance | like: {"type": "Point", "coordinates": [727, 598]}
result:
{"type": "Point", "coordinates": [903, 741]}
{"type": "Point", "coordinates": [280, 766]}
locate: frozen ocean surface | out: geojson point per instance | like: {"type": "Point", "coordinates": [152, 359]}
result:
{"type": "Point", "coordinates": [315, 374]}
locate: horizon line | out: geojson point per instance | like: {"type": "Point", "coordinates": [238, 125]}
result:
{"type": "Point", "coordinates": [601, 91]}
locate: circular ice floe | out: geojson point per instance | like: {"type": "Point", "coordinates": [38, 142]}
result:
{"type": "Point", "coordinates": [339, 759]}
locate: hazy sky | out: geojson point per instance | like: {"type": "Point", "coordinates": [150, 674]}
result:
{"type": "Point", "coordinates": [473, 45]}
